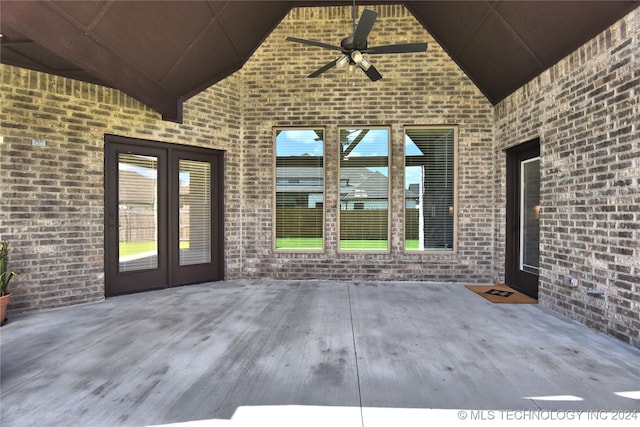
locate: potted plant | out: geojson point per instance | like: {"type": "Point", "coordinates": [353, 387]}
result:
{"type": "Point", "coordinates": [5, 278]}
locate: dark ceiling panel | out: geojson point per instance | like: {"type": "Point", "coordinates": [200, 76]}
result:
{"type": "Point", "coordinates": [152, 43]}
{"type": "Point", "coordinates": [18, 50]}
{"type": "Point", "coordinates": [41, 23]}
{"type": "Point", "coordinates": [245, 24]}
{"type": "Point", "coordinates": [453, 23]}
{"type": "Point", "coordinates": [44, 57]}
{"type": "Point", "coordinates": [83, 12]}
{"type": "Point", "coordinates": [10, 34]}
{"type": "Point", "coordinates": [538, 33]}
{"type": "Point", "coordinates": [12, 56]}
{"type": "Point", "coordinates": [202, 60]}
{"type": "Point", "coordinates": [498, 70]}
{"type": "Point", "coordinates": [163, 52]}
{"type": "Point", "coordinates": [551, 29]}
{"type": "Point", "coordinates": [248, 23]}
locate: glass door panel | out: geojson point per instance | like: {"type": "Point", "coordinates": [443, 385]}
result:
{"type": "Point", "coordinates": [530, 215]}
{"type": "Point", "coordinates": [137, 212]}
{"type": "Point", "coordinates": [522, 220]}
{"type": "Point", "coordinates": [135, 217]}
{"type": "Point", "coordinates": [195, 212]}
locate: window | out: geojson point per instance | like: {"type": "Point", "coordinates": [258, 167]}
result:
{"type": "Point", "coordinates": [299, 189]}
{"type": "Point", "coordinates": [430, 183]}
{"type": "Point", "coordinates": [364, 189]}
{"type": "Point", "coordinates": [195, 212]}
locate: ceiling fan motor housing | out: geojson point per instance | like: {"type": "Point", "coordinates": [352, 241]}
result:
{"type": "Point", "coordinates": [349, 44]}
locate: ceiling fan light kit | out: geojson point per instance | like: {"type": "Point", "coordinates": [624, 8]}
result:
{"type": "Point", "coordinates": [342, 60]}
{"type": "Point", "coordinates": [355, 46]}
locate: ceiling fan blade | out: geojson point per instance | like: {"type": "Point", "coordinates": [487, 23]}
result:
{"type": "Point", "coordinates": [371, 71]}
{"type": "Point", "coordinates": [397, 48]}
{"type": "Point", "coordinates": [314, 43]}
{"type": "Point", "coordinates": [324, 68]}
{"type": "Point", "coordinates": [367, 19]}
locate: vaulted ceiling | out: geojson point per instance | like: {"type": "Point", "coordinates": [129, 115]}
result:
{"type": "Point", "coordinates": [164, 52]}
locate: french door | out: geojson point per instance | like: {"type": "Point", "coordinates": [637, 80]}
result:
{"type": "Point", "coordinates": [163, 215]}
{"type": "Point", "coordinates": [522, 261]}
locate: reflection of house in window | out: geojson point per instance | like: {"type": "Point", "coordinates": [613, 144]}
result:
{"type": "Point", "coordinates": [303, 187]}
{"type": "Point", "coordinates": [137, 198]}
{"type": "Point", "coordinates": [299, 187]}
{"type": "Point", "coordinates": [136, 190]}
{"type": "Point", "coordinates": [363, 188]}
{"type": "Point", "coordinates": [412, 197]}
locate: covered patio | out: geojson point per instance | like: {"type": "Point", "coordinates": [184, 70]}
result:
{"type": "Point", "coordinates": [305, 353]}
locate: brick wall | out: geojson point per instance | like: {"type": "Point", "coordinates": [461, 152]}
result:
{"type": "Point", "coordinates": [422, 89]}
{"type": "Point", "coordinates": [52, 198]}
{"type": "Point", "coordinates": [585, 110]}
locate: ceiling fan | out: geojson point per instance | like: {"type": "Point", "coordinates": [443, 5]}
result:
{"type": "Point", "coordinates": [355, 46]}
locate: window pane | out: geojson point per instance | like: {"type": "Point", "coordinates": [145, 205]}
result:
{"type": "Point", "coordinates": [137, 217]}
{"type": "Point", "coordinates": [195, 212]}
{"type": "Point", "coordinates": [364, 189]}
{"type": "Point", "coordinates": [429, 189]}
{"type": "Point", "coordinates": [299, 220]}
{"type": "Point", "coordinates": [530, 215]}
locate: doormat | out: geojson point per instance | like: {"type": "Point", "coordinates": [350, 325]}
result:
{"type": "Point", "coordinates": [501, 294]}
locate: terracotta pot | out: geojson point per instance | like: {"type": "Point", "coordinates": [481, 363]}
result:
{"type": "Point", "coordinates": [4, 300]}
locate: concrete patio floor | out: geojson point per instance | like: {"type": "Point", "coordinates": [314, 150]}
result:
{"type": "Point", "coordinates": [267, 352]}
